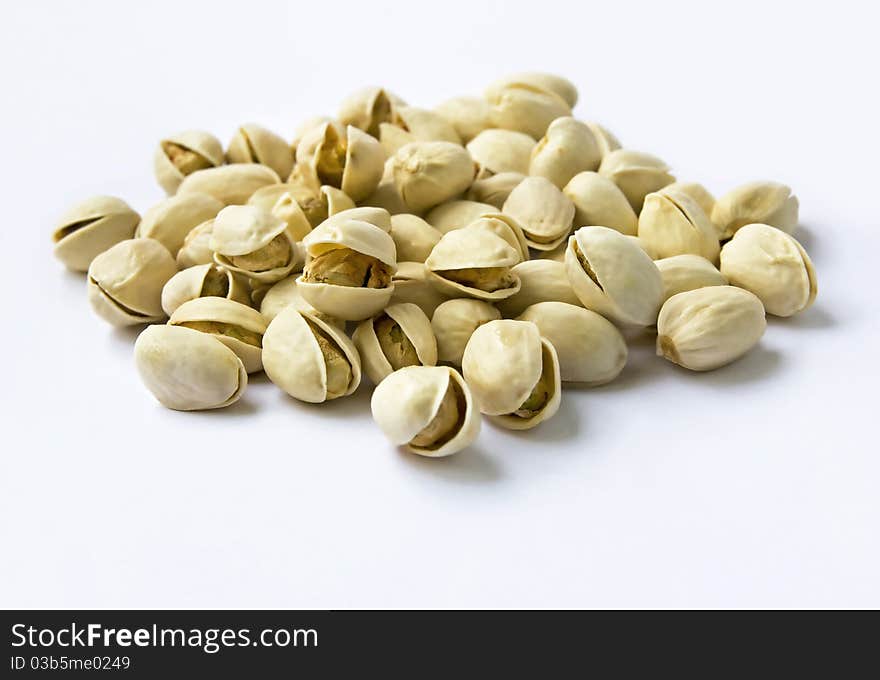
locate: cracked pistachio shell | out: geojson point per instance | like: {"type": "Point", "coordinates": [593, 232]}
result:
{"type": "Point", "coordinates": [523, 108]}
{"type": "Point", "coordinates": [310, 124]}
{"type": "Point", "coordinates": [544, 212]}
{"type": "Point", "coordinates": [253, 143]}
{"type": "Point", "coordinates": [546, 82]}
{"type": "Point", "coordinates": [697, 192]}
{"type": "Point", "coordinates": [188, 371]}
{"type": "Point", "coordinates": [506, 227]}
{"type": "Point", "coordinates": [316, 205]}
{"type": "Point", "coordinates": [687, 272]}
{"type": "Point", "coordinates": [495, 189]}
{"type": "Point", "coordinates": [637, 174]}
{"type": "Point", "coordinates": [541, 281]}
{"type": "Point", "coordinates": [613, 276]}
{"type": "Point", "coordinates": [173, 218]}
{"type": "Point", "coordinates": [196, 248]}
{"type": "Point", "coordinates": [411, 284]}
{"type": "Point", "coordinates": [235, 324]}
{"type": "Point", "coordinates": [368, 108]}
{"type": "Point", "coordinates": [429, 410]}
{"type": "Point", "coordinates": [429, 173]}
{"type": "Point", "coordinates": [126, 281]}
{"type": "Point", "coordinates": [229, 184]}
{"type": "Point", "coordinates": [203, 280]}
{"type": "Point", "coordinates": [468, 115]}
{"type": "Point", "coordinates": [707, 328]}
{"type": "Point", "coordinates": [352, 161]}
{"type": "Point", "coordinates": [772, 265]}
{"type": "Point", "coordinates": [455, 321]}
{"type": "Point", "coordinates": [590, 348]}
{"type": "Point", "coordinates": [457, 214]}
{"type": "Point", "coordinates": [415, 325]}
{"type": "Point", "coordinates": [416, 125]}
{"type": "Point", "coordinates": [599, 202]}
{"type": "Point", "coordinates": [378, 217]}
{"type": "Point", "coordinates": [245, 229]}
{"type": "Point", "coordinates": [568, 147]}
{"type": "Point", "coordinates": [671, 223]}
{"type": "Point", "coordinates": [605, 139]}
{"type": "Point", "coordinates": [91, 227]}
{"type": "Point", "coordinates": [294, 358]}
{"type": "Point", "coordinates": [503, 363]}
{"type": "Point", "coordinates": [183, 154]}
{"type": "Point", "coordinates": [756, 202]}
{"type": "Point", "coordinates": [472, 249]}
{"type": "Point", "coordinates": [286, 294]}
{"type": "Point", "coordinates": [413, 237]}
{"type": "Point", "coordinates": [501, 151]}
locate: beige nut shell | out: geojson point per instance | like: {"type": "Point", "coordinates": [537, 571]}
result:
{"type": "Point", "coordinates": [413, 237]}
{"type": "Point", "coordinates": [501, 151]}
{"type": "Point", "coordinates": [368, 107]}
{"type": "Point", "coordinates": [253, 143]}
{"type": "Point", "coordinates": [697, 192]}
{"type": "Point", "coordinates": [229, 184]}
{"type": "Point", "coordinates": [604, 138]}
{"type": "Point", "coordinates": [568, 147]}
{"type": "Point", "coordinates": [769, 203]}
{"type": "Point", "coordinates": [547, 82]}
{"type": "Point", "coordinates": [196, 248]}
{"type": "Point", "coordinates": [541, 281]}
{"type": "Point", "coordinates": [687, 272]}
{"type": "Point", "coordinates": [524, 108]}
{"type": "Point", "coordinates": [415, 325]}
{"type": "Point", "coordinates": [456, 214]}
{"type": "Point", "coordinates": [364, 158]}
{"type": "Point", "coordinates": [188, 284]}
{"type": "Point", "coordinates": [203, 143]}
{"type": "Point", "coordinates": [429, 173]}
{"type": "Point", "coordinates": [672, 223]}
{"type": "Point", "coordinates": [466, 249]}
{"type": "Point", "coordinates": [494, 189]}
{"type": "Point", "coordinates": [637, 174]}
{"type": "Point", "coordinates": [285, 293]}
{"type": "Point", "coordinates": [89, 228]}
{"type": "Point", "coordinates": [454, 322]}
{"type": "Point", "coordinates": [599, 202]}
{"type": "Point", "coordinates": [468, 115]}
{"type": "Point", "coordinates": [411, 284]}
{"type": "Point", "coordinates": [544, 212]}
{"type": "Point", "coordinates": [172, 219]}
{"type": "Point", "coordinates": [378, 217]}
{"type": "Point", "coordinates": [507, 227]}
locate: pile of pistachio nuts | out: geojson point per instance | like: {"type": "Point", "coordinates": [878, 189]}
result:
{"type": "Point", "coordinates": [468, 259]}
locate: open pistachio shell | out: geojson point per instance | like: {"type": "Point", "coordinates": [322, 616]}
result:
{"type": "Point", "coordinates": [453, 323]}
{"type": "Point", "coordinates": [203, 280]}
{"type": "Point", "coordinates": [507, 227]}
{"type": "Point", "coordinates": [474, 263]}
{"type": "Point", "coordinates": [541, 281]}
{"type": "Point", "coordinates": [468, 115]}
{"type": "Point", "coordinates": [672, 223]}
{"type": "Point", "coordinates": [416, 125]}
{"type": "Point", "coordinates": [285, 293]}
{"type": "Point", "coordinates": [769, 203]}
{"type": "Point", "coordinates": [413, 237]}
{"type": "Point", "coordinates": [411, 284]}
{"type": "Point", "coordinates": [236, 325]}
{"type": "Point", "coordinates": [173, 218]}
{"type": "Point", "coordinates": [310, 124]}
{"type": "Point", "coordinates": [183, 154]}
{"type": "Point", "coordinates": [126, 281]}
{"type": "Point", "coordinates": [590, 349]}
{"type": "Point", "coordinates": [696, 191]}
{"type": "Point", "coordinates": [368, 108]}
{"type": "Point", "coordinates": [501, 151]}
{"type": "Point", "coordinates": [613, 276]}
{"type": "Point", "coordinates": [637, 174]}
{"type": "Point", "coordinates": [599, 202]}
{"type": "Point", "coordinates": [91, 227]}
{"type": "Point", "coordinates": [456, 214]}
{"type": "Point", "coordinates": [604, 138]}
{"type": "Point", "coordinates": [568, 147]}
{"type": "Point", "coordinates": [308, 358]}
{"type": "Point", "coordinates": [378, 217]}
{"type": "Point", "coordinates": [187, 370]}
{"type": "Point", "coordinates": [429, 173]}
{"type": "Point", "coordinates": [495, 189]}
{"type": "Point", "coordinates": [524, 108]}
{"type": "Point", "coordinates": [399, 336]}
{"type": "Point", "coordinates": [513, 373]}
{"type": "Point", "coordinates": [544, 212]}
{"type": "Point", "coordinates": [316, 205]}
{"type": "Point", "coordinates": [253, 143]}
{"type": "Point", "coordinates": [687, 272]}
{"type": "Point", "coordinates": [196, 248]}
{"type": "Point", "coordinates": [229, 184]}
{"type": "Point", "coordinates": [352, 162]}
{"type": "Point", "coordinates": [546, 82]}
{"type": "Point", "coordinates": [427, 409]}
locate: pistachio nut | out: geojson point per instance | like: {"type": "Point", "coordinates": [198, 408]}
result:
{"type": "Point", "coordinates": [507, 227]}
{"type": "Point", "coordinates": [687, 272]}
{"type": "Point", "coordinates": [613, 276]}
{"type": "Point", "coordinates": [605, 139]}
{"type": "Point", "coordinates": [249, 241]}
{"type": "Point", "coordinates": [411, 124]}
{"type": "Point", "coordinates": [126, 280]}
{"type": "Point", "coordinates": [411, 284]}
{"type": "Point", "coordinates": [637, 174]}
{"type": "Point", "coordinates": [308, 358]}
{"type": "Point", "coordinates": [497, 151]}
{"type": "Point", "coordinates": [524, 108]}
{"type": "Point", "coordinates": [513, 373]}
{"type": "Point", "coordinates": [590, 348]}
{"type": "Point", "coordinates": [473, 263]}
{"type": "Point", "coordinates": [756, 203]}
{"type": "Point", "coordinates": [429, 173]}
{"type": "Point", "coordinates": [196, 248]}
{"type": "Point", "coordinates": [772, 265]}
{"type": "Point", "coordinates": [545, 82]}
{"type": "Point", "coordinates": [568, 147]}
{"type": "Point", "coordinates": [349, 269]}
{"type": "Point", "coordinates": [428, 410]}
{"type": "Point", "coordinates": [368, 108]}
{"type": "Point", "coordinates": [352, 161]}
{"type": "Point", "coordinates": [91, 227]}
{"type": "Point", "coordinates": [707, 328]}
{"type": "Point", "coordinates": [188, 371]}
{"type": "Point", "coordinates": [285, 293]}
{"type": "Point", "coordinates": [413, 237]}
{"type": "Point", "coordinates": [172, 219]}
{"type": "Point", "coordinates": [454, 322]}
{"type": "Point", "coordinates": [494, 189]}
{"type": "Point", "coordinates": [672, 223]}
{"type": "Point", "coordinates": [229, 184]}
{"type": "Point", "coordinates": [253, 143]}
{"type": "Point", "coordinates": [468, 115]}
{"type": "Point", "coordinates": [180, 155]}
{"type": "Point", "coordinates": [599, 202]}
{"type": "Point", "coordinates": [697, 192]}
{"type": "Point", "coordinates": [457, 214]}
{"type": "Point", "coordinates": [400, 336]}
{"type": "Point", "coordinates": [541, 281]}
{"type": "Point", "coordinates": [544, 212]}
{"type": "Point", "coordinates": [203, 280]}
{"type": "Point", "coordinates": [236, 325]}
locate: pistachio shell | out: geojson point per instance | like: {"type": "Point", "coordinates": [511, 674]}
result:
{"type": "Point", "coordinates": [286, 294]}
{"type": "Point", "coordinates": [697, 192]}
{"type": "Point", "coordinates": [637, 174]}
{"type": "Point", "coordinates": [91, 227]}
{"type": "Point", "coordinates": [687, 272]}
{"type": "Point", "coordinates": [194, 282]}
{"type": "Point", "coordinates": [293, 358]}
{"type": "Point", "coordinates": [506, 227]}
{"type": "Point", "coordinates": [196, 248]}
{"type": "Point", "coordinates": [429, 173]}
{"type": "Point", "coordinates": [524, 108]}
{"type": "Point", "coordinates": [453, 323]}
{"type": "Point", "coordinates": [310, 124]}
{"type": "Point", "coordinates": [417, 125]}
{"type": "Point", "coordinates": [620, 281]}
{"type": "Point", "coordinates": [468, 115]}
{"type": "Point", "coordinates": [501, 151]}
{"type": "Point", "coordinates": [253, 143]}
{"type": "Point", "coordinates": [347, 230]}
{"type": "Point", "coordinates": [352, 162]}
{"type": "Point", "coordinates": [407, 405]}
{"type": "Point", "coordinates": [472, 249]}
{"type": "Point", "coordinates": [671, 223]}
{"type": "Point", "coordinates": [604, 138]}
{"type": "Point", "coordinates": [414, 325]}
{"type": "Point", "coordinates": [368, 108]}
{"type": "Point", "coordinates": [599, 202]}
{"type": "Point", "coordinates": [544, 212]}
{"type": "Point", "coordinates": [504, 362]}
{"type": "Point", "coordinates": [187, 370]}
{"type": "Point", "coordinates": [772, 265]}
{"type": "Point", "coordinates": [413, 237]}
{"type": "Point", "coordinates": [173, 218]}
{"type": "Point", "coordinates": [641, 244]}
{"type": "Point", "coordinates": [378, 217]}
{"type": "Point", "coordinates": [456, 214]}
{"type": "Point", "coordinates": [411, 284]}
{"type": "Point", "coordinates": [495, 189]}
{"type": "Point", "coordinates": [287, 209]}
{"type": "Point", "coordinates": [769, 203]}
{"type": "Point", "coordinates": [568, 147]}
{"type": "Point", "coordinates": [710, 327]}
{"type": "Point", "coordinates": [126, 280]}
{"type": "Point", "coordinates": [546, 82]}
{"type": "Point", "coordinates": [387, 197]}
{"type": "Point", "coordinates": [541, 281]}
{"type": "Point", "coordinates": [229, 184]}
{"type": "Point", "coordinates": [201, 149]}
